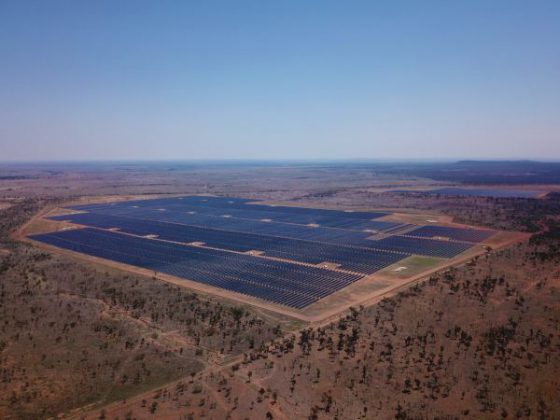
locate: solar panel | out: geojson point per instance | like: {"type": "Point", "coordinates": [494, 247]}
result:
{"type": "Point", "coordinates": [366, 261]}
{"type": "Point", "coordinates": [217, 206]}
{"type": "Point", "coordinates": [458, 234]}
{"type": "Point", "coordinates": [421, 246]}
{"type": "Point", "coordinates": [281, 282]}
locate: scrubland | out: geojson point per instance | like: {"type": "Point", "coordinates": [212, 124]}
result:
{"type": "Point", "coordinates": [85, 341]}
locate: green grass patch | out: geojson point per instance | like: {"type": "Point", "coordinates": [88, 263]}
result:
{"type": "Point", "coordinates": [415, 264]}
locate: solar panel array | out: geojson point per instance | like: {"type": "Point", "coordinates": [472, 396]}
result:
{"type": "Point", "coordinates": [207, 239]}
{"type": "Point", "coordinates": [286, 230]}
{"type": "Point", "coordinates": [365, 261]}
{"type": "Point", "coordinates": [456, 234]}
{"type": "Point", "coordinates": [421, 246]}
{"type": "Point", "coordinates": [286, 283]}
{"type": "Point", "coordinates": [205, 211]}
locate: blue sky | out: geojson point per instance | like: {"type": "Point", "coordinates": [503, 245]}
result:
{"type": "Point", "coordinates": [279, 79]}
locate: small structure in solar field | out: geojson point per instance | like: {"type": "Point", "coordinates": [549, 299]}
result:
{"type": "Point", "coordinates": [377, 236]}
{"type": "Point", "coordinates": [328, 265]}
{"type": "Point", "coordinates": [254, 252]}
{"type": "Point", "coordinates": [266, 220]}
{"type": "Point", "coordinates": [401, 268]}
{"type": "Point", "coordinates": [151, 236]}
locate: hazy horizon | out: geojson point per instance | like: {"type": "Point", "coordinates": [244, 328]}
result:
{"type": "Point", "coordinates": [288, 162]}
{"type": "Point", "coordinates": [290, 81]}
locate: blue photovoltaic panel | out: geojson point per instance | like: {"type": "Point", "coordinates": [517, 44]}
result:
{"type": "Point", "coordinates": [235, 224]}
{"type": "Point", "coordinates": [285, 283]}
{"type": "Point", "coordinates": [244, 216]}
{"type": "Point", "coordinates": [366, 261]}
{"type": "Point", "coordinates": [457, 234]}
{"type": "Point", "coordinates": [216, 206]}
{"type": "Point", "coordinates": [421, 246]}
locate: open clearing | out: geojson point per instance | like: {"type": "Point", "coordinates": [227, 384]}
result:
{"type": "Point", "coordinates": [308, 263]}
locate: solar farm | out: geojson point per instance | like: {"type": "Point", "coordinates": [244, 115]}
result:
{"type": "Point", "coordinates": [287, 256]}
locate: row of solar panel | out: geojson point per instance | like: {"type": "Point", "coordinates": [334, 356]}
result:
{"type": "Point", "coordinates": [366, 261]}
{"type": "Point", "coordinates": [285, 283]}
{"type": "Point", "coordinates": [224, 202]}
{"type": "Point", "coordinates": [162, 202]}
{"type": "Point", "coordinates": [321, 234]}
{"type": "Point", "coordinates": [422, 246]}
{"type": "Point", "coordinates": [176, 210]}
{"type": "Point", "coordinates": [219, 205]}
{"type": "Point", "coordinates": [251, 214]}
{"type": "Point", "coordinates": [236, 207]}
{"type": "Point", "coordinates": [338, 237]}
{"type": "Point", "coordinates": [456, 234]}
